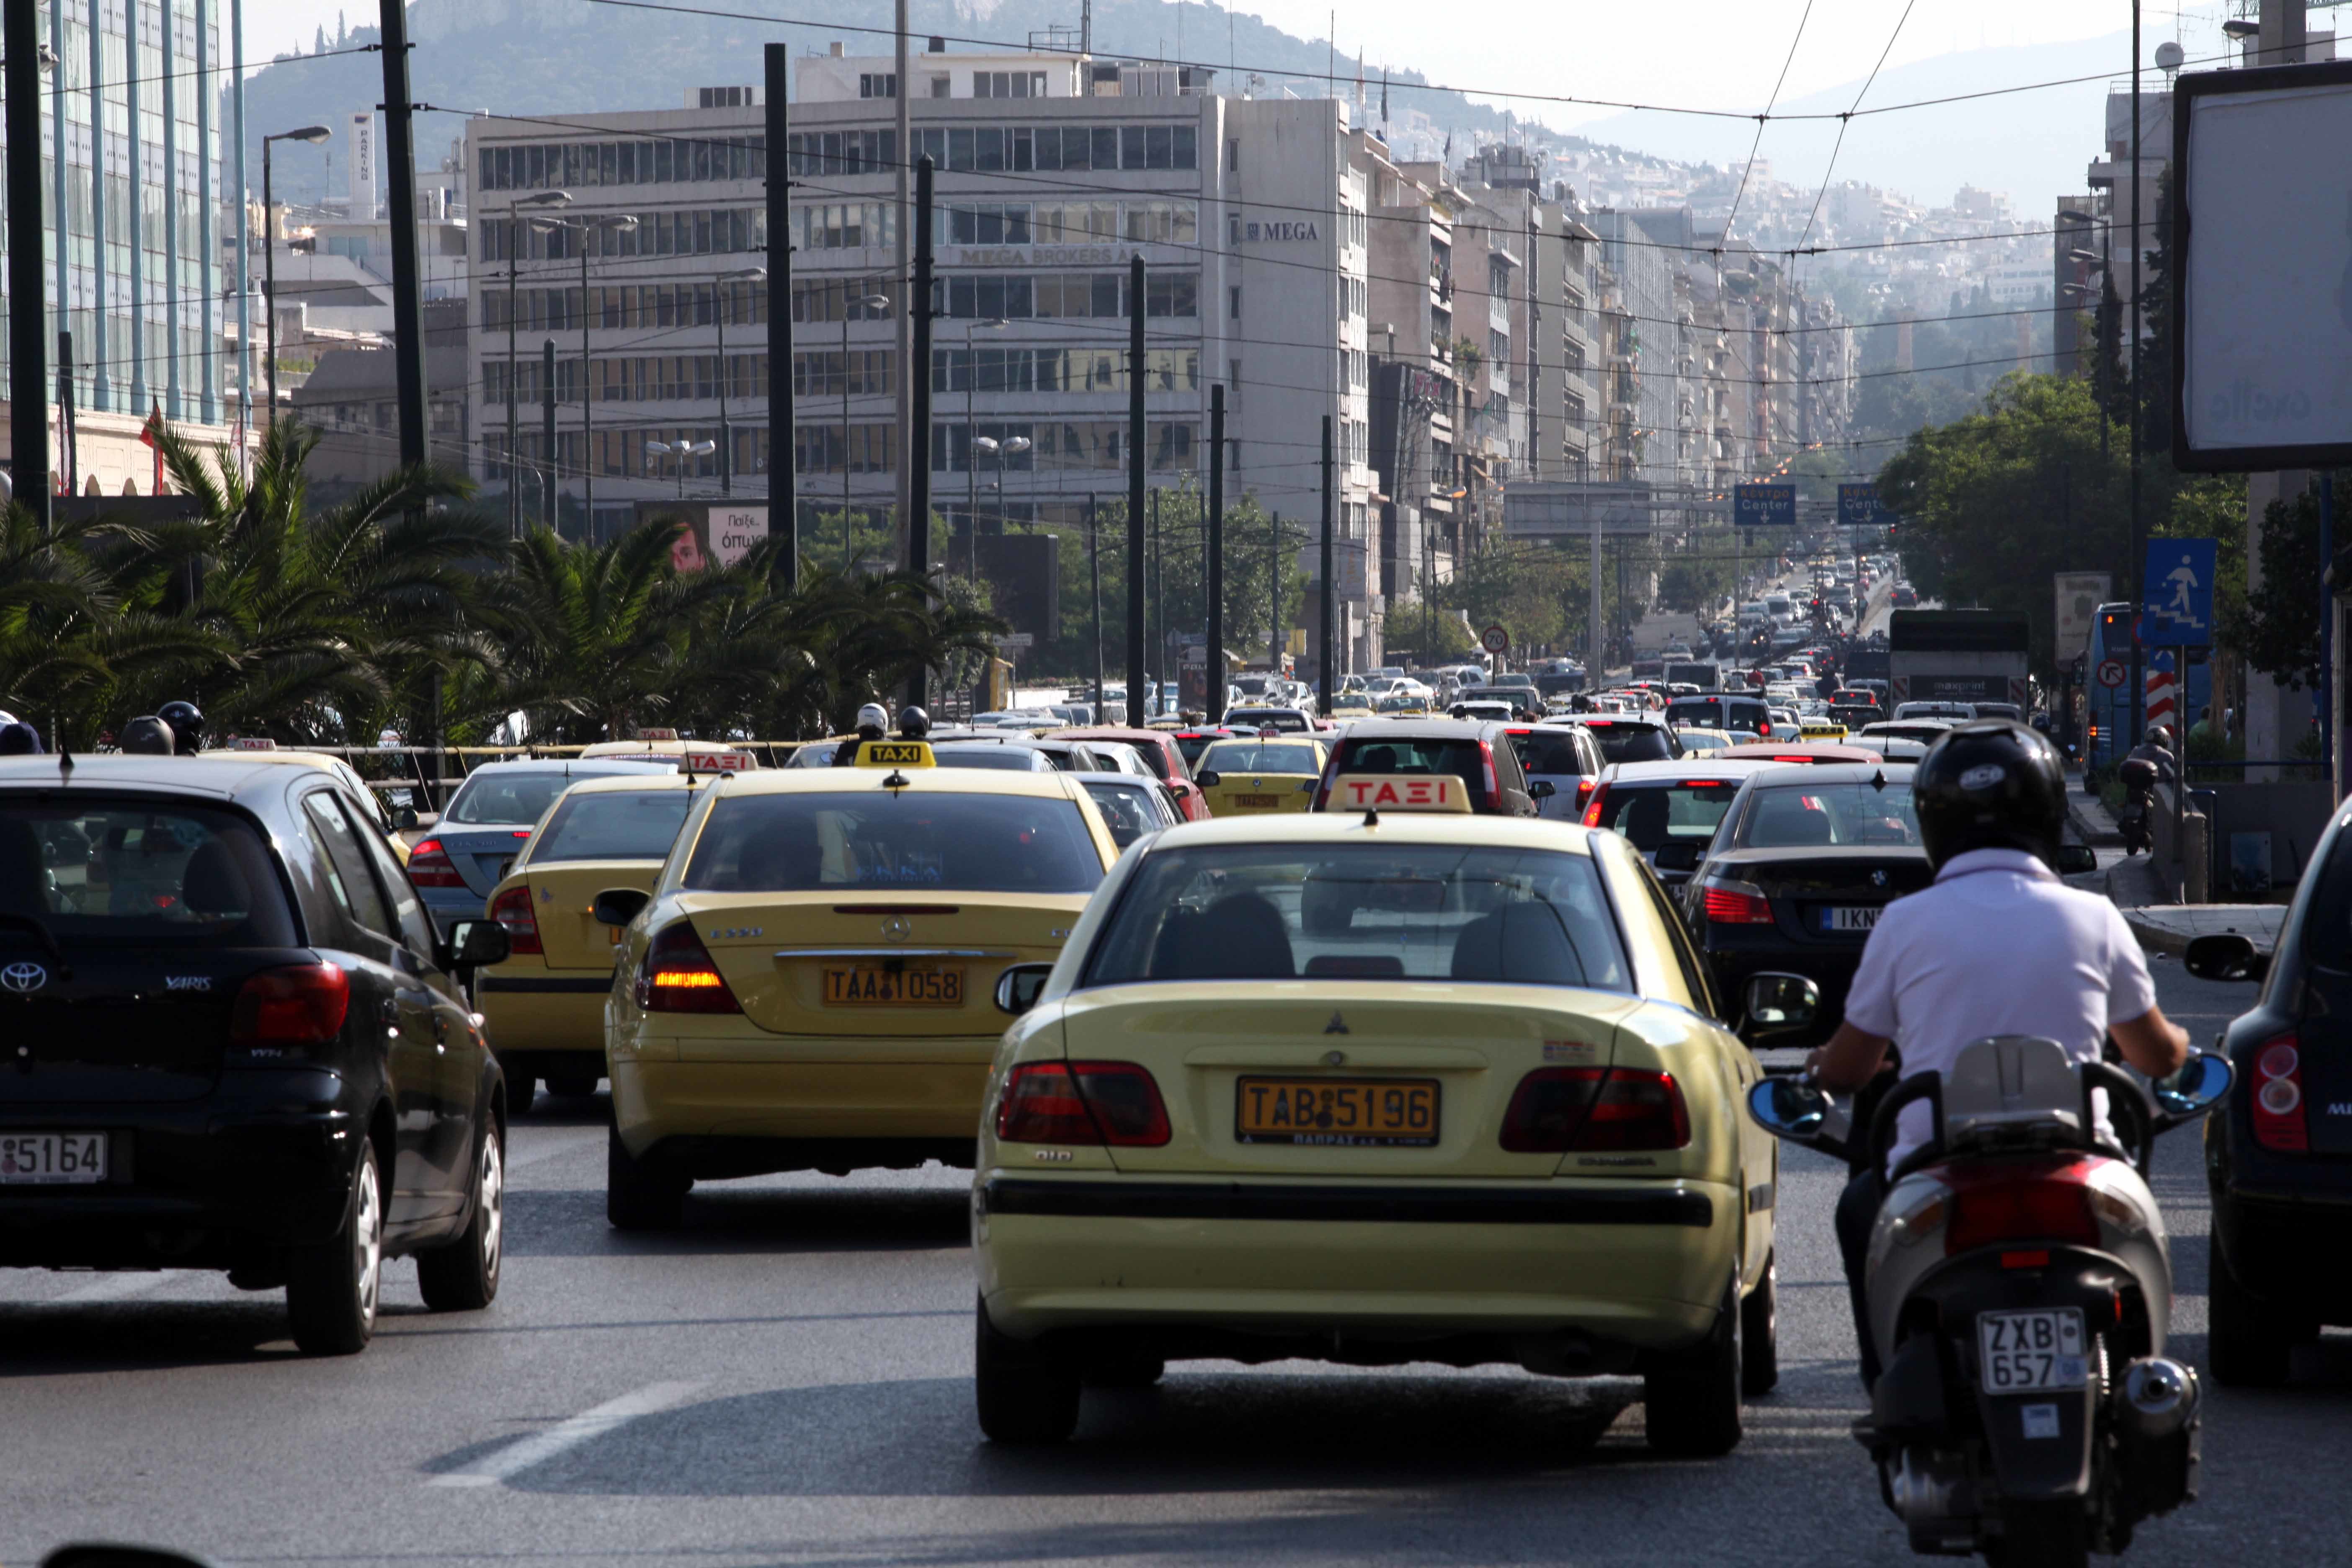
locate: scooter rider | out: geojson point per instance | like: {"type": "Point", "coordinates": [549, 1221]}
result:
{"type": "Point", "coordinates": [1997, 945]}
{"type": "Point", "coordinates": [913, 723]}
{"type": "Point", "coordinates": [2156, 748]}
{"type": "Point", "coordinates": [872, 720]}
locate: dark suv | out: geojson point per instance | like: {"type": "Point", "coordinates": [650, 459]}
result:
{"type": "Point", "coordinates": [232, 1041]}
{"type": "Point", "coordinates": [1479, 754]}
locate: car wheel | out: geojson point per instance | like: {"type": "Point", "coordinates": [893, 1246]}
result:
{"type": "Point", "coordinates": [1759, 1326]}
{"type": "Point", "coordinates": [1693, 1403]}
{"type": "Point", "coordinates": [1025, 1394]}
{"type": "Point", "coordinates": [2248, 1343]}
{"type": "Point", "coordinates": [574, 1086]}
{"type": "Point", "coordinates": [331, 1288]}
{"type": "Point", "coordinates": [523, 1089]}
{"type": "Point", "coordinates": [638, 1194]}
{"type": "Point", "coordinates": [463, 1276]}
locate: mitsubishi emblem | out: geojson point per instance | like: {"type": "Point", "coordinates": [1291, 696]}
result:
{"type": "Point", "coordinates": [1337, 1025]}
{"type": "Point", "coordinates": [21, 978]}
{"type": "Point", "coordinates": [897, 928]}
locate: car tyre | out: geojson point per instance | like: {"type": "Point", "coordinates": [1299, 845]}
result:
{"type": "Point", "coordinates": [332, 1287]}
{"type": "Point", "coordinates": [1760, 1328]}
{"type": "Point", "coordinates": [463, 1276]}
{"type": "Point", "coordinates": [1693, 1402]}
{"type": "Point", "coordinates": [2248, 1342]}
{"type": "Point", "coordinates": [639, 1195]}
{"type": "Point", "coordinates": [1024, 1394]}
{"type": "Point", "coordinates": [523, 1089]}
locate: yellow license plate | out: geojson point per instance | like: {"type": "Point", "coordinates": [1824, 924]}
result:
{"type": "Point", "coordinates": [1257, 802]}
{"type": "Point", "coordinates": [871, 985]}
{"type": "Point", "coordinates": [1375, 1113]}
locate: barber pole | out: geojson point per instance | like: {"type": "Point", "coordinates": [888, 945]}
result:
{"type": "Point", "coordinates": [2163, 692]}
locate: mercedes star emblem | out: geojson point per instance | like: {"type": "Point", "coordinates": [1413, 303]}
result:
{"type": "Point", "coordinates": [897, 928]}
{"type": "Point", "coordinates": [24, 977]}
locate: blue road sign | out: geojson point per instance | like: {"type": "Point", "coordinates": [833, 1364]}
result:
{"type": "Point", "coordinates": [1859, 507]}
{"type": "Point", "coordinates": [2180, 589]}
{"type": "Point", "coordinates": [1764, 506]}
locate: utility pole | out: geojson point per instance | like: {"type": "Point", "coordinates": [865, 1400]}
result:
{"type": "Point", "coordinates": [547, 432]}
{"type": "Point", "coordinates": [2135, 567]}
{"type": "Point", "coordinates": [916, 445]}
{"type": "Point", "coordinates": [407, 298]}
{"type": "Point", "coordinates": [783, 499]}
{"type": "Point", "coordinates": [28, 327]}
{"type": "Point", "coordinates": [1274, 622]}
{"type": "Point", "coordinates": [1216, 605]}
{"type": "Point", "coordinates": [902, 160]}
{"type": "Point", "coordinates": [1094, 575]}
{"type": "Point", "coordinates": [1158, 645]}
{"type": "Point", "coordinates": [1136, 456]}
{"type": "Point", "coordinates": [1324, 683]}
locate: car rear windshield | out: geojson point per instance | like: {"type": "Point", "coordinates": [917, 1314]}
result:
{"type": "Point", "coordinates": [1552, 754]}
{"type": "Point", "coordinates": [1125, 811]}
{"type": "Point", "coordinates": [1266, 718]}
{"type": "Point", "coordinates": [505, 799]}
{"type": "Point", "coordinates": [638, 825]}
{"type": "Point", "coordinates": [1798, 816]}
{"type": "Point", "coordinates": [1632, 742]}
{"type": "Point", "coordinates": [926, 839]}
{"type": "Point", "coordinates": [1652, 814]}
{"type": "Point", "coordinates": [118, 869]}
{"type": "Point", "coordinates": [1192, 746]}
{"type": "Point", "coordinates": [1006, 759]}
{"type": "Point", "coordinates": [1420, 754]}
{"type": "Point", "coordinates": [1360, 912]}
{"type": "Point", "coordinates": [1716, 712]}
{"type": "Point", "coordinates": [1260, 757]}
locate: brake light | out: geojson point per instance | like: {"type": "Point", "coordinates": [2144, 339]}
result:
{"type": "Point", "coordinates": [1763, 729]}
{"type": "Point", "coordinates": [429, 866]}
{"type": "Point", "coordinates": [300, 1004]}
{"type": "Point", "coordinates": [1494, 784]}
{"type": "Point", "coordinates": [1558, 1110]}
{"type": "Point", "coordinates": [1095, 1103]}
{"type": "Point", "coordinates": [678, 975]}
{"type": "Point", "coordinates": [2032, 1200]}
{"type": "Point", "coordinates": [1737, 904]}
{"type": "Point", "coordinates": [512, 910]}
{"type": "Point", "coordinates": [1595, 807]}
{"type": "Point", "coordinates": [2278, 1097]}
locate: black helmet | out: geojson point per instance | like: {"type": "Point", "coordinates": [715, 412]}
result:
{"type": "Point", "coordinates": [913, 722]}
{"type": "Point", "coordinates": [187, 726]}
{"type": "Point", "coordinates": [1991, 784]}
{"type": "Point", "coordinates": [148, 736]}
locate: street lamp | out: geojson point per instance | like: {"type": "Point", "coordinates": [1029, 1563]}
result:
{"type": "Point", "coordinates": [971, 431]}
{"type": "Point", "coordinates": [1012, 445]}
{"type": "Point", "coordinates": [682, 450]}
{"type": "Point", "coordinates": [874, 305]}
{"type": "Point", "coordinates": [719, 312]}
{"type": "Point", "coordinates": [514, 435]}
{"type": "Point", "coordinates": [584, 226]}
{"type": "Point", "coordinates": [312, 133]}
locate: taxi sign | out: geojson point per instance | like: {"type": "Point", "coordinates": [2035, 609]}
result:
{"type": "Point", "coordinates": [719, 762]}
{"type": "Point", "coordinates": [895, 754]}
{"type": "Point", "coordinates": [658, 733]}
{"type": "Point", "coordinates": [1400, 792]}
{"type": "Point", "coordinates": [255, 743]}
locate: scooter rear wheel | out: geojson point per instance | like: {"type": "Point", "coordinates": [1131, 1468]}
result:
{"type": "Point", "coordinates": [2042, 1535]}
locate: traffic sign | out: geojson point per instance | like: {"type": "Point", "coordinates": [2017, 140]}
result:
{"type": "Point", "coordinates": [1764, 505]}
{"type": "Point", "coordinates": [2178, 585]}
{"type": "Point", "coordinates": [1495, 639]}
{"type": "Point", "coordinates": [1859, 505]}
{"type": "Point", "coordinates": [1017, 639]}
{"type": "Point", "coordinates": [2112, 673]}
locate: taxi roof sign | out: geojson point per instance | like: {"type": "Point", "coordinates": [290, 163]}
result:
{"type": "Point", "coordinates": [720, 762]}
{"type": "Point", "coordinates": [254, 743]}
{"type": "Point", "coordinates": [658, 733]}
{"type": "Point", "coordinates": [1400, 792]}
{"type": "Point", "coordinates": [896, 754]}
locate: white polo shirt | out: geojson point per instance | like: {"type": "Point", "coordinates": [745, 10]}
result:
{"type": "Point", "coordinates": [1998, 946]}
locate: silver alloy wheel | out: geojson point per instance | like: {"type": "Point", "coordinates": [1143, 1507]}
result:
{"type": "Point", "coordinates": [492, 1199]}
{"type": "Point", "coordinates": [367, 1242]}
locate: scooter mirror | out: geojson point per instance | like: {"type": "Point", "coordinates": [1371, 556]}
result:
{"type": "Point", "coordinates": [2074, 858]}
{"type": "Point", "coordinates": [1790, 1107]}
{"type": "Point", "coordinates": [2202, 1083]}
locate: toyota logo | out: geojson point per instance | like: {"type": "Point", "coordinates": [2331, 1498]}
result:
{"type": "Point", "coordinates": [24, 977]}
{"type": "Point", "coordinates": [897, 928]}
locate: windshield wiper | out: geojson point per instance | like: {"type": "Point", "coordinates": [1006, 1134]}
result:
{"type": "Point", "coordinates": [49, 939]}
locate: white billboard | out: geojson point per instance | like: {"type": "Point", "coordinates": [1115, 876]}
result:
{"type": "Point", "coordinates": [2080, 594]}
{"type": "Point", "coordinates": [359, 160]}
{"type": "Point", "coordinates": [2261, 240]}
{"type": "Point", "coordinates": [734, 529]}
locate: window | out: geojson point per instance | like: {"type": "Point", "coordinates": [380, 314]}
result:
{"type": "Point", "coordinates": [872, 85]}
{"type": "Point", "coordinates": [348, 877]}
{"type": "Point", "coordinates": [118, 869]}
{"type": "Point", "coordinates": [1232, 154]}
{"type": "Point", "coordinates": [973, 843]}
{"type": "Point", "coordinates": [1233, 307]}
{"type": "Point", "coordinates": [939, 87]}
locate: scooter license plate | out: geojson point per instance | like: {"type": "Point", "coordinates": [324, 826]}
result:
{"type": "Point", "coordinates": [2023, 1352]}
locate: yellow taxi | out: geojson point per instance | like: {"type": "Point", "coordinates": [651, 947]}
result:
{"type": "Point", "coordinates": [819, 977]}
{"type": "Point", "coordinates": [1409, 703]}
{"type": "Point", "coordinates": [543, 1007]}
{"type": "Point", "coordinates": [1697, 739]}
{"type": "Point", "coordinates": [256, 749]}
{"type": "Point", "coordinates": [1260, 774]}
{"type": "Point", "coordinates": [1821, 728]}
{"type": "Point", "coordinates": [1488, 1116]}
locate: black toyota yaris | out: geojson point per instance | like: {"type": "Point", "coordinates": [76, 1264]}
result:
{"type": "Point", "coordinates": [229, 1040]}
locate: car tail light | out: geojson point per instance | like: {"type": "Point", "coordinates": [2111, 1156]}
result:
{"type": "Point", "coordinates": [2278, 1097]}
{"type": "Point", "coordinates": [1494, 784]}
{"type": "Point", "coordinates": [1115, 1104]}
{"type": "Point", "coordinates": [1584, 787]}
{"type": "Point", "coordinates": [429, 866]}
{"type": "Point", "coordinates": [2032, 1200]}
{"type": "Point", "coordinates": [1558, 1110]}
{"type": "Point", "coordinates": [512, 910]}
{"type": "Point", "coordinates": [1595, 807]}
{"type": "Point", "coordinates": [1737, 904]}
{"type": "Point", "coordinates": [300, 1004]}
{"type": "Point", "coordinates": [678, 975]}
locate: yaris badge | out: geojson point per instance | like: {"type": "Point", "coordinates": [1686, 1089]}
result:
{"type": "Point", "coordinates": [24, 977]}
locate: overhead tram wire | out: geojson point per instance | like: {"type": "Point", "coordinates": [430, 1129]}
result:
{"type": "Point", "coordinates": [1846, 120]}
{"type": "Point", "coordinates": [1749, 167]}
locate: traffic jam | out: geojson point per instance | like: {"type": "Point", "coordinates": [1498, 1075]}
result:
{"type": "Point", "coordinates": [1464, 1024]}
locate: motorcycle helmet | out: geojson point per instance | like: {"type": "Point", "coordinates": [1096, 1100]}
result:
{"type": "Point", "coordinates": [187, 726]}
{"type": "Point", "coordinates": [872, 720]}
{"type": "Point", "coordinates": [18, 739]}
{"type": "Point", "coordinates": [148, 737]}
{"type": "Point", "coordinates": [913, 722]}
{"type": "Point", "coordinates": [1990, 783]}
{"type": "Point", "coordinates": [2159, 735]}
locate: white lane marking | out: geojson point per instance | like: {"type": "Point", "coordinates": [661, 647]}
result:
{"type": "Point", "coordinates": [548, 1148]}
{"type": "Point", "coordinates": [117, 1287]}
{"type": "Point", "coordinates": [540, 1447]}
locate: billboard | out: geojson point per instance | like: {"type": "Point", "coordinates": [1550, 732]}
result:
{"type": "Point", "coordinates": [2262, 245]}
{"type": "Point", "coordinates": [2080, 594]}
{"type": "Point", "coordinates": [359, 163]}
{"type": "Point", "coordinates": [734, 529]}
{"type": "Point", "coordinates": [1534, 509]}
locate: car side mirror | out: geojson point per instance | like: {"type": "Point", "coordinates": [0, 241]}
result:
{"type": "Point", "coordinates": [1781, 1004]}
{"type": "Point", "coordinates": [476, 944]}
{"type": "Point", "coordinates": [619, 906]}
{"type": "Point", "coordinates": [1541, 789]}
{"type": "Point", "coordinates": [2202, 1083]}
{"type": "Point", "coordinates": [1209, 780]}
{"type": "Point", "coordinates": [1678, 855]}
{"type": "Point", "coordinates": [2075, 859]}
{"type": "Point", "coordinates": [1018, 988]}
{"type": "Point", "coordinates": [2225, 957]}
{"type": "Point", "coordinates": [404, 819]}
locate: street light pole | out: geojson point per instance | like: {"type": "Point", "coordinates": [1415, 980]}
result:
{"type": "Point", "coordinates": [727, 375]}
{"type": "Point", "coordinates": [583, 227]}
{"type": "Point", "coordinates": [269, 249]}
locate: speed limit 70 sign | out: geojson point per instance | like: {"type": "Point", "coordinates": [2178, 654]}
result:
{"type": "Point", "coordinates": [1495, 639]}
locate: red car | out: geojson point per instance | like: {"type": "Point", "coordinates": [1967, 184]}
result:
{"type": "Point", "coordinates": [1162, 756]}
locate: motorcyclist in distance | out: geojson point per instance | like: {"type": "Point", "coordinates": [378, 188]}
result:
{"type": "Point", "coordinates": [872, 721]}
{"type": "Point", "coordinates": [2156, 748]}
{"type": "Point", "coordinates": [914, 724]}
{"type": "Point", "coordinates": [1997, 945]}
{"type": "Point", "coordinates": [187, 724]}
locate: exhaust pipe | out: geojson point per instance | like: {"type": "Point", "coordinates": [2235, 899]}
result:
{"type": "Point", "coordinates": [2159, 1398]}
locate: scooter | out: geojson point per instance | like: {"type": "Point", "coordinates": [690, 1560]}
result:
{"type": "Point", "coordinates": [2020, 1291]}
{"type": "Point", "coordinates": [2137, 776]}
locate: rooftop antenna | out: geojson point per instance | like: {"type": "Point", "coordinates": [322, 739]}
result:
{"type": "Point", "coordinates": [1086, 27]}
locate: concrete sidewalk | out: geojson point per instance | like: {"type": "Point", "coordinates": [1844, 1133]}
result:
{"type": "Point", "coordinates": [2168, 928]}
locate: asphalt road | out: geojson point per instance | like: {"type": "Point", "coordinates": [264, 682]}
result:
{"type": "Point", "coordinates": [787, 1382]}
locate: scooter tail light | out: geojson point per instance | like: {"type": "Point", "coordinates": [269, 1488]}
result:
{"type": "Point", "coordinates": [2278, 1108]}
{"type": "Point", "coordinates": [2035, 1202]}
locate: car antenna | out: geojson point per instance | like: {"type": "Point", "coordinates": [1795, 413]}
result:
{"type": "Point", "coordinates": [1878, 779]}
{"type": "Point", "coordinates": [65, 764]}
{"type": "Point", "coordinates": [896, 781]}
{"type": "Point", "coordinates": [1372, 816]}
